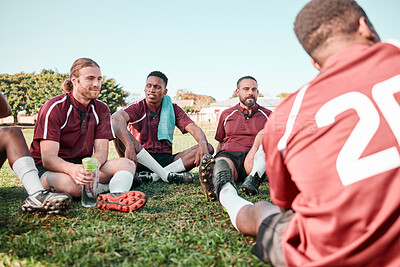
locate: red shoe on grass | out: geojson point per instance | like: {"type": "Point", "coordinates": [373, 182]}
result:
{"type": "Point", "coordinates": [128, 201]}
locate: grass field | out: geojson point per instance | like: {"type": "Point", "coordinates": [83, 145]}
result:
{"type": "Point", "coordinates": [177, 227]}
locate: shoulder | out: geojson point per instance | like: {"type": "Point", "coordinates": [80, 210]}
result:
{"type": "Point", "coordinates": [177, 107]}
{"type": "Point", "coordinates": [55, 102]}
{"type": "Point", "coordinates": [229, 111]}
{"type": "Point", "coordinates": [100, 105]}
{"type": "Point", "coordinates": [264, 110]}
{"type": "Point", "coordinates": [392, 42]}
{"type": "Point", "coordinates": [135, 105]}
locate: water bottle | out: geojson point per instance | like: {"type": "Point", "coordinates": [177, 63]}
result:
{"type": "Point", "coordinates": [89, 195]}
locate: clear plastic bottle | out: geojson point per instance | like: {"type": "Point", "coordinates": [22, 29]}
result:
{"type": "Point", "coordinates": [89, 195]}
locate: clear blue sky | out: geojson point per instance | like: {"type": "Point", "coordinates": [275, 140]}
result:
{"type": "Point", "coordinates": [203, 46]}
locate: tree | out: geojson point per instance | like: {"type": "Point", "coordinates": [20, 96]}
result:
{"type": "Point", "coordinates": [28, 92]}
{"type": "Point", "coordinates": [16, 88]}
{"type": "Point", "coordinates": [283, 95]}
{"type": "Point", "coordinates": [112, 94]}
{"type": "Point", "coordinates": [45, 85]}
{"type": "Point", "coordinates": [189, 110]}
{"type": "Point", "coordinates": [200, 101]}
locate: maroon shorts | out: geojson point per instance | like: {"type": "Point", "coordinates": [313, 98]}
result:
{"type": "Point", "coordinates": [238, 158]}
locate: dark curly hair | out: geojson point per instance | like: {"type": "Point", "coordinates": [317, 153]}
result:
{"type": "Point", "coordinates": [160, 75]}
{"type": "Point", "coordinates": [321, 19]}
{"type": "Point", "coordinates": [243, 78]}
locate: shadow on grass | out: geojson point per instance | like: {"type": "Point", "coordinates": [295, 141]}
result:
{"type": "Point", "coordinates": [177, 226]}
{"type": "Point", "coordinates": [11, 198]}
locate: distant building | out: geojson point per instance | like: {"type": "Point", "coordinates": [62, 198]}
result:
{"type": "Point", "coordinates": [183, 103]}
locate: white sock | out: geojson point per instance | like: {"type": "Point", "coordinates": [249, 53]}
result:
{"type": "Point", "coordinates": [147, 160]}
{"type": "Point", "coordinates": [259, 162]}
{"type": "Point", "coordinates": [26, 170]}
{"type": "Point", "coordinates": [121, 182]}
{"type": "Point", "coordinates": [102, 188]}
{"type": "Point", "coordinates": [232, 202]}
{"type": "Point", "coordinates": [176, 166]}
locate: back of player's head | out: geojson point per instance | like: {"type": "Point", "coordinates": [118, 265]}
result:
{"type": "Point", "coordinates": [321, 19]}
{"type": "Point", "coordinates": [243, 78]}
{"type": "Point", "coordinates": [160, 75]}
{"type": "Point", "coordinates": [79, 64]}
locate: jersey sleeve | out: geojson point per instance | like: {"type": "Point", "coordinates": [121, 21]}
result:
{"type": "Point", "coordinates": [104, 129]}
{"type": "Point", "coordinates": [282, 189]}
{"type": "Point", "coordinates": [133, 110]}
{"type": "Point", "coordinates": [49, 123]}
{"type": "Point", "coordinates": [181, 118]}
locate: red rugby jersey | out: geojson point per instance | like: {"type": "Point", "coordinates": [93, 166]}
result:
{"type": "Point", "coordinates": [332, 154]}
{"type": "Point", "coordinates": [236, 131]}
{"type": "Point", "coordinates": [144, 126]}
{"type": "Point", "coordinates": [59, 121]}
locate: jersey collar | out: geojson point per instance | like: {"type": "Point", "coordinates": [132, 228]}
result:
{"type": "Point", "coordinates": [77, 104]}
{"type": "Point", "coordinates": [244, 111]}
{"type": "Point", "coordinates": [344, 55]}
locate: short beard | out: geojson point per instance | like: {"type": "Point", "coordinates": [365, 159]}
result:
{"type": "Point", "coordinates": [249, 105]}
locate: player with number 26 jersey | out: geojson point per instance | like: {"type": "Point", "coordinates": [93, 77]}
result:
{"type": "Point", "coordinates": [336, 141]}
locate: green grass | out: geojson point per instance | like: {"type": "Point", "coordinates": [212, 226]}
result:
{"type": "Point", "coordinates": [177, 227]}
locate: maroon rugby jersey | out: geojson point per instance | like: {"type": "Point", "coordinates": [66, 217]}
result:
{"type": "Point", "coordinates": [237, 131]}
{"type": "Point", "coordinates": [143, 124]}
{"type": "Point", "coordinates": [59, 121]}
{"type": "Point", "coordinates": [332, 154]}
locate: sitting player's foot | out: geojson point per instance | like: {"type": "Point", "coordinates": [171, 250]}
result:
{"type": "Point", "coordinates": [205, 176]}
{"type": "Point", "coordinates": [137, 181]}
{"type": "Point", "coordinates": [180, 177]}
{"type": "Point", "coordinates": [145, 176]}
{"type": "Point", "coordinates": [222, 174]}
{"type": "Point", "coordinates": [251, 184]}
{"type": "Point", "coordinates": [47, 201]}
{"type": "Point", "coordinates": [128, 201]}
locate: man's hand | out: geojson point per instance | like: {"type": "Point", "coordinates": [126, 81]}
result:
{"type": "Point", "coordinates": [79, 175]}
{"type": "Point", "coordinates": [130, 153]}
{"type": "Point", "coordinates": [201, 151]}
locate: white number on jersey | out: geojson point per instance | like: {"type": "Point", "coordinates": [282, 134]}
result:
{"type": "Point", "coordinates": [350, 167]}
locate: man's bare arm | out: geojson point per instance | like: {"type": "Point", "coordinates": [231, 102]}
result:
{"type": "Point", "coordinates": [5, 109]}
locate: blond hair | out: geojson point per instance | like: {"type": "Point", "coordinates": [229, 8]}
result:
{"type": "Point", "coordinates": [79, 64]}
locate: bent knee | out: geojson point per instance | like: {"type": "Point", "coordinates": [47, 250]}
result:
{"type": "Point", "coordinates": [10, 132]}
{"type": "Point", "coordinates": [74, 190]}
{"type": "Point", "coordinates": [210, 148]}
{"type": "Point", "coordinates": [124, 164]}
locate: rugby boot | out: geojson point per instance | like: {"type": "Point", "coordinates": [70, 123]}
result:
{"type": "Point", "coordinates": [206, 168]}
{"type": "Point", "coordinates": [137, 181]}
{"type": "Point", "coordinates": [222, 174]}
{"type": "Point", "coordinates": [128, 201]}
{"type": "Point", "coordinates": [180, 177]}
{"type": "Point", "coordinates": [47, 201]}
{"type": "Point", "coordinates": [145, 176]}
{"type": "Point", "coordinates": [252, 183]}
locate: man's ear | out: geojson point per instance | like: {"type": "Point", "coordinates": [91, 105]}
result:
{"type": "Point", "coordinates": [165, 91]}
{"type": "Point", "coordinates": [315, 64]}
{"type": "Point", "coordinates": [74, 79]}
{"type": "Point", "coordinates": [237, 91]}
{"type": "Point", "coordinates": [367, 31]}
